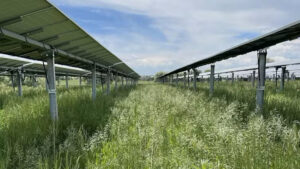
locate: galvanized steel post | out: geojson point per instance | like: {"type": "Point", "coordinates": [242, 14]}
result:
{"type": "Point", "coordinates": [52, 88]}
{"type": "Point", "coordinates": [276, 77]}
{"type": "Point", "coordinates": [19, 80]}
{"type": "Point", "coordinates": [80, 81]}
{"type": "Point", "coordinates": [262, 56]}
{"type": "Point", "coordinates": [12, 80]}
{"type": "Point", "coordinates": [283, 69]}
{"type": "Point", "coordinates": [188, 78]}
{"type": "Point", "coordinates": [184, 79]}
{"type": "Point", "coordinates": [94, 83]}
{"type": "Point", "coordinates": [195, 78]}
{"type": "Point", "coordinates": [212, 79]}
{"type": "Point", "coordinates": [116, 81]}
{"type": "Point", "coordinates": [232, 77]}
{"type": "Point", "coordinates": [108, 82]}
{"type": "Point", "coordinates": [253, 78]}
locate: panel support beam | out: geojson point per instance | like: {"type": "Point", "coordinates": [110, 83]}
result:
{"type": "Point", "coordinates": [262, 57]}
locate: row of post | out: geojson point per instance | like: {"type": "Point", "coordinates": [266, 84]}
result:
{"type": "Point", "coordinates": [261, 54]}
{"type": "Point", "coordinates": [50, 80]}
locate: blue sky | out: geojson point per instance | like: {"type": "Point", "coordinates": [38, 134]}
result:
{"type": "Point", "coordinates": [161, 35]}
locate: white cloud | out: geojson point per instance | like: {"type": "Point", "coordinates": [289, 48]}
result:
{"type": "Point", "coordinates": [196, 29]}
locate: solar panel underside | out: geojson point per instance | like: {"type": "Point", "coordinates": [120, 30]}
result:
{"type": "Point", "coordinates": [28, 27]}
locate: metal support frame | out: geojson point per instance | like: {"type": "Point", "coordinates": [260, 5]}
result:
{"type": "Point", "coordinates": [116, 81]}
{"type": "Point", "coordinates": [19, 80]}
{"type": "Point", "coordinates": [34, 80]}
{"type": "Point", "coordinates": [283, 72]}
{"type": "Point", "coordinates": [80, 81]}
{"type": "Point", "coordinates": [51, 84]}
{"type": "Point", "coordinates": [188, 78]}
{"type": "Point", "coordinates": [108, 81]}
{"type": "Point", "coordinates": [262, 57]}
{"type": "Point", "coordinates": [253, 78]}
{"type": "Point", "coordinates": [184, 80]}
{"type": "Point", "coordinates": [287, 75]}
{"type": "Point", "coordinates": [195, 78]}
{"type": "Point", "coordinates": [122, 78]}
{"type": "Point", "coordinates": [276, 77]}
{"type": "Point", "coordinates": [12, 80]}
{"type": "Point", "coordinates": [212, 79]}
{"type": "Point", "coordinates": [232, 77]}
{"type": "Point", "coordinates": [94, 87]}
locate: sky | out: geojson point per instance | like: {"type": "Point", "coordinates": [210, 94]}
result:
{"type": "Point", "coordinates": [162, 35]}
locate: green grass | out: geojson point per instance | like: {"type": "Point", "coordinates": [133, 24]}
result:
{"type": "Point", "coordinates": [151, 126]}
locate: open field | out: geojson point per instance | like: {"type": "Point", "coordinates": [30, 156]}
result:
{"type": "Point", "coordinates": [151, 126]}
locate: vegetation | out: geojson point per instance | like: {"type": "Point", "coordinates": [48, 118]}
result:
{"type": "Point", "coordinates": [151, 126]}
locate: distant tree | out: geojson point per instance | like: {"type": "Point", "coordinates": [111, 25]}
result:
{"type": "Point", "coordinates": [207, 70]}
{"type": "Point", "coordinates": [158, 74]}
{"type": "Point", "coordinates": [269, 60]}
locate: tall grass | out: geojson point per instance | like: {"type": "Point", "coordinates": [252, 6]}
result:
{"type": "Point", "coordinates": [151, 126]}
{"type": "Point", "coordinates": [165, 127]}
{"type": "Point", "coordinates": [27, 139]}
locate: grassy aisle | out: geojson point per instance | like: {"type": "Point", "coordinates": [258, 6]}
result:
{"type": "Point", "coordinates": [160, 126]}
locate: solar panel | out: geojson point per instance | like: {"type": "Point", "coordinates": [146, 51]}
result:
{"type": "Point", "coordinates": [29, 27]}
{"type": "Point", "coordinates": [289, 32]}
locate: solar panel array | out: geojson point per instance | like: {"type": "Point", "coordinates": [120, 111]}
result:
{"type": "Point", "coordinates": [30, 27]}
{"type": "Point", "coordinates": [289, 32]}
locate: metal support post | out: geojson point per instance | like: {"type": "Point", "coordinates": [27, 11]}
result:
{"type": "Point", "coordinates": [232, 77]}
{"type": "Point", "coordinates": [34, 81]}
{"type": "Point", "coordinates": [188, 78]}
{"type": "Point", "coordinates": [80, 81]}
{"type": "Point", "coordinates": [94, 84]}
{"type": "Point", "coordinates": [195, 78]}
{"type": "Point", "coordinates": [262, 56]}
{"type": "Point", "coordinates": [122, 78]}
{"type": "Point", "coordinates": [276, 77]}
{"type": "Point", "coordinates": [12, 80]}
{"type": "Point", "coordinates": [51, 84]}
{"type": "Point", "coordinates": [19, 78]}
{"type": "Point", "coordinates": [282, 77]}
{"type": "Point", "coordinates": [287, 75]}
{"type": "Point", "coordinates": [253, 78]}
{"type": "Point", "coordinates": [116, 81]}
{"type": "Point", "coordinates": [184, 79]}
{"type": "Point", "coordinates": [108, 82]}
{"type": "Point", "coordinates": [212, 79]}
{"type": "Point", "coordinates": [46, 83]}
